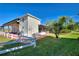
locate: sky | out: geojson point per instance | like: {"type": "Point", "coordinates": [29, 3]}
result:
{"type": "Point", "coordinates": [44, 11]}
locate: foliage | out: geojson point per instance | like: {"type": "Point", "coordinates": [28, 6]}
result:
{"type": "Point", "coordinates": [49, 25]}
{"type": "Point", "coordinates": [57, 26]}
{"type": "Point", "coordinates": [64, 24]}
{"type": "Point", "coordinates": [76, 26]}
{"type": "Point", "coordinates": [63, 20]}
{"type": "Point", "coordinates": [54, 27]}
{"type": "Point", "coordinates": [71, 24]}
{"type": "Point", "coordinates": [65, 31]}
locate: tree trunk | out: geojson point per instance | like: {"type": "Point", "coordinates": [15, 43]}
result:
{"type": "Point", "coordinates": [56, 36]}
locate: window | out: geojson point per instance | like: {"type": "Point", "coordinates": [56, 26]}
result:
{"type": "Point", "coordinates": [23, 19]}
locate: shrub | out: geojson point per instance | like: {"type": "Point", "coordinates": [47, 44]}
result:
{"type": "Point", "coordinates": [65, 31]}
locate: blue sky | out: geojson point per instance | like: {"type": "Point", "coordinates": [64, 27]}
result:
{"type": "Point", "coordinates": [43, 11]}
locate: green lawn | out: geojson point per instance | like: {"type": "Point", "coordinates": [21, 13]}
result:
{"type": "Point", "coordinates": [67, 45]}
{"type": "Point", "coordinates": [74, 35]}
{"type": "Point", "coordinates": [3, 39]}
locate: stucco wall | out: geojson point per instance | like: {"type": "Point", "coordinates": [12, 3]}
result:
{"type": "Point", "coordinates": [23, 26]}
{"type": "Point", "coordinates": [29, 26]}
{"type": "Point", "coordinates": [32, 25]}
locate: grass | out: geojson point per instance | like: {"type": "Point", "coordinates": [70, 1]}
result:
{"type": "Point", "coordinates": [3, 39]}
{"type": "Point", "coordinates": [50, 46]}
{"type": "Point", "coordinates": [67, 45]}
{"type": "Point", "coordinates": [10, 46]}
{"type": "Point", "coordinates": [73, 35]}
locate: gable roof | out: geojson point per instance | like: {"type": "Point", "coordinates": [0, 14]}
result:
{"type": "Point", "coordinates": [15, 20]}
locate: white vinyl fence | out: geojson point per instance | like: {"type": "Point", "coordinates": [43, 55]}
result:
{"type": "Point", "coordinates": [16, 48]}
{"type": "Point", "coordinates": [25, 43]}
{"type": "Point", "coordinates": [8, 35]}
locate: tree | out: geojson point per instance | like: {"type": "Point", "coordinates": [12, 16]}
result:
{"type": "Point", "coordinates": [64, 20]}
{"type": "Point", "coordinates": [55, 27]}
{"type": "Point", "coordinates": [49, 25]}
{"type": "Point", "coordinates": [76, 26]}
{"type": "Point", "coordinates": [71, 24]}
{"type": "Point", "coordinates": [62, 23]}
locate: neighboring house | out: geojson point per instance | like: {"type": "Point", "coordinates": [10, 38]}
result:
{"type": "Point", "coordinates": [27, 25]}
{"type": "Point", "coordinates": [42, 28]}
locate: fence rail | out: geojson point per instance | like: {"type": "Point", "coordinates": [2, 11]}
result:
{"type": "Point", "coordinates": [8, 35]}
{"type": "Point", "coordinates": [6, 43]}
{"type": "Point", "coordinates": [16, 48]}
{"type": "Point", "coordinates": [32, 43]}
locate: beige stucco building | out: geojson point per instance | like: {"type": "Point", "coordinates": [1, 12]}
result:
{"type": "Point", "coordinates": [26, 25]}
